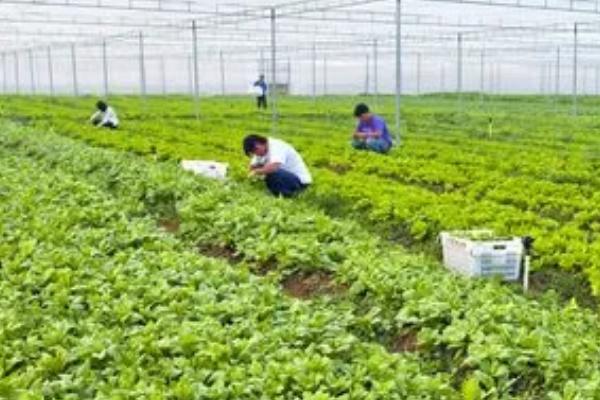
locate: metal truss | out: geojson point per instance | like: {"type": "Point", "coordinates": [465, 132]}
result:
{"type": "Point", "coordinates": [299, 17]}
{"type": "Point", "coordinates": [575, 6]}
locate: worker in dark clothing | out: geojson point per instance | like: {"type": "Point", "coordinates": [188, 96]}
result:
{"type": "Point", "coordinates": [261, 98]}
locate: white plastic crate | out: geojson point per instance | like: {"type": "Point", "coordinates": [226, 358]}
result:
{"type": "Point", "coordinates": [208, 169]}
{"type": "Point", "coordinates": [482, 258]}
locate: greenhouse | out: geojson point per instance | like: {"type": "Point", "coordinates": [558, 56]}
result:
{"type": "Point", "coordinates": [299, 199]}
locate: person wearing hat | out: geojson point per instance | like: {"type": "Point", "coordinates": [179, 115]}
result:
{"type": "Point", "coordinates": [279, 163]}
{"type": "Point", "coordinates": [372, 132]}
{"type": "Point", "coordinates": [105, 117]}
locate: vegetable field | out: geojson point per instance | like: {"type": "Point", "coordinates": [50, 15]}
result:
{"type": "Point", "coordinates": [535, 175]}
{"type": "Point", "coordinates": [124, 277]}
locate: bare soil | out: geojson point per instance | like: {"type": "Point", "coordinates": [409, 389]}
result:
{"type": "Point", "coordinates": [567, 284]}
{"type": "Point", "coordinates": [170, 225]}
{"type": "Point", "coordinates": [303, 285]}
{"type": "Point", "coordinates": [220, 251]}
{"type": "Point", "coordinates": [264, 267]}
{"type": "Point", "coordinates": [339, 169]}
{"type": "Point", "coordinates": [404, 343]}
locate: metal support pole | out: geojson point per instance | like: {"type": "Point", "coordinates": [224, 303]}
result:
{"type": "Point", "coordinates": [274, 62]}
{"type": "Point", "coordinates": [526, 273]}
{"type": "Point", "coordinates": [442, 78]}
{"type": "Point", "coordinates": [376, 69]}
{"type": "Point", "coordinates": [325, 88]}
{"type": "Point", "coordinates": [196, 74]}
{"type": "Point", "coordinates": [459, 67]}
{"type": "Point", "coordinates": [261, 66]}
{"type": "Point", "coordinates": [190, 76]}
{"type": "Point", "coordinates": [481, 77]}
{"type": "Point", "coordinates": [4, 74]}
{"type": "Point", "coordinates": [142, 66]}
{"type": "Point", "coordinates": [17, 83]}
{"type": "Point", "coordinates": [596, 80]}
{"type": "Point", "coordinates": [575, 68]}
{"type": "Point", "coordinates": [105, 68]}
{"type": "Point", "coordinates": [398, 64]}
{"type": "Point", "coordinates": [163, 76]}
{"type": "Point", "coordinates": [74, 70]}
{"type": "Point", "coordinates": [31, 71]}
{"type": "Point", "coordinates": [542, 78]}
{"type": "Point", "coordinates": [549, 83]}
{"type": "Point", "coordinates": [289, 73]}
{"type": "Point", "coordinates": [222, 68]}
{"type": "Point", "coordinates": [482, 72]}
{"type": "Point", "coordinates": [492, 84]}
{"type": "Point", "coordinates": [498, 78]}
{"type": "Point", "coordinates": [50, 70]}
{"type": "Point", "coordinates": [314, 71]}
{"type": "Point", "coordinates": [459, 70]}
{"type": "Point", "coordinates": [367, 75]}
{"type": "Point", "coordinates": [557, 73]}
{"type": "Point", "coordinates": [418, 73]}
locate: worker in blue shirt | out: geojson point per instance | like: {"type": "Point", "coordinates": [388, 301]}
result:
{"type": "Point", "coordinates": [371, 133]}
{"type": "Point", "coordinates": [261, 99]}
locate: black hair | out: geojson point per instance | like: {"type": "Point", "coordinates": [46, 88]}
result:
{"type": "Point", "coordinates": [102, 106]}
{"type": "Point", "coordinates": [251, 141]}
{"type": "Point", "coordinates": [361, 109]}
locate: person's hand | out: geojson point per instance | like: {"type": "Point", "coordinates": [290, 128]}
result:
{"type": "Point", "coordinates": [254, 175]}
{"type": "Point", "coordinates": [360, 135]}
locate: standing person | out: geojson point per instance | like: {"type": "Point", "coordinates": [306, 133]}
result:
{"type": "Point", "coordinates": [284, 170]}
{"type": "Point", "coordinates": [372, 132]}
{"type": "Point", "coordinates": [105, 117]}
{"type": "Point", "coordinates": [261, 99]}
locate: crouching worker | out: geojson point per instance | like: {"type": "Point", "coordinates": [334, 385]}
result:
{"type": "Point", "coordinates": [372, 132]}
{"type": "Point", "coordinates": [282, 167]}
{"type": "Point", "coordinates": [105, 117]}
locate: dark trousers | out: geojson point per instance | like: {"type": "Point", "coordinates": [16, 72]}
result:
{"type": "Point", "coordinates": [376, 145]}
{"type": "Point", "coordinates": [109, 125]}
{"type": "Point", "coordinates": [261, 101]}
{"type": "Point", "coordinates": [284, 183]}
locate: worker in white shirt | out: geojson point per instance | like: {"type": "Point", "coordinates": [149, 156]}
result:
{"type": "Point", "coordinates": [284, 170]}
{"type": "Point", "coordinates": [105, 117]}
